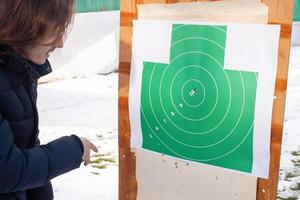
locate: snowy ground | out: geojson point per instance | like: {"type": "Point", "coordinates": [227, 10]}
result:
{"type": "Point", "coordinates": [289, 183]}
{"type": "Point", "coordinates": [86, 107]}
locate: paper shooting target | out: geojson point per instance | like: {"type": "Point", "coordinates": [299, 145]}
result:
{"type": "Point", "coordinates": [194, 109]}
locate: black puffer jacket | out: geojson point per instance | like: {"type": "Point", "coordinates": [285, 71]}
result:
{"type": "Point", "coordinates": [26, 167]}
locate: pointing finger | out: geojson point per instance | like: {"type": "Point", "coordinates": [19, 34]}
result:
{"type": "Point", "coordinates": [93, 147]}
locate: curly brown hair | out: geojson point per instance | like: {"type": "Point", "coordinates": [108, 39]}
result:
{"type": "Point", "coordinates": [24, 22]}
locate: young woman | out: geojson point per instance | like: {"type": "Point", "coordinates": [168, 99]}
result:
{"type": "Point", "coordinates": [29, 31]}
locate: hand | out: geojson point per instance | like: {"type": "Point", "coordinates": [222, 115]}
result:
{"type": "Point", "coordinates": [87, 147]}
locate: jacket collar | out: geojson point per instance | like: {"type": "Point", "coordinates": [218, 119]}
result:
{"type": "Point", "coordinates": [19, 65]}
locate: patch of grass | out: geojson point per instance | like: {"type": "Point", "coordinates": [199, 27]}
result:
{"type": "Point", "coordinates": [99, 166]}
{"type": "Point", "coordinates": [295, 153]}
{"type": "Point", "coordinates": [279, 191]}
{"type": "Point", "coordinates": [288, 198]}
{"type": "Point", "coordinates": [100, 160]}
{"type": "Point", "coordinates": [296, 162]}
{"type": "Point", "coordinates": [290, 175]}
{"type": "Point", "coordinates": [100, 155]}
{"type": "Point", "coordinates": [295, 187]}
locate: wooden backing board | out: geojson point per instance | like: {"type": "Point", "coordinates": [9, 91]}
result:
{"type": "Point", "coordinates": [280, 12]}
{"type": "Point", "coordinates": [177, 180]}
{"type": "Point", "coordinates": [249, 11]}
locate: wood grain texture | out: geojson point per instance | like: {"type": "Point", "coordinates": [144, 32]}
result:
{"type": "Point", "coordinates": [280, 12]}
{"type": "Point", "coordinates": [127, 163]}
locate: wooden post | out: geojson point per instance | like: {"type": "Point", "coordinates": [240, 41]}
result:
{"type": "Point", "coordinates": [127, 179]}
{"type": "Point", "coordinates": [280, 12]}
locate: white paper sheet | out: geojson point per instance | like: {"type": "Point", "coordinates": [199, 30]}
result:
{"type": "Point", "coordinates": [249, 47]}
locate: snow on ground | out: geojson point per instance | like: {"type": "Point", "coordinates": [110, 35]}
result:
{"type": "Point", "coordinates": [86, 107]}
{"type": "Point", "coordinates": [289, 178]}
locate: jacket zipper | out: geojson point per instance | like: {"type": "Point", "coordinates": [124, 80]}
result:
{"type": "Point", "coordinates": [28, 85]}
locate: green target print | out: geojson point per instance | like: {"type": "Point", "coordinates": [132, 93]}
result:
{"type": "Point", "coordinates": [193, 108]}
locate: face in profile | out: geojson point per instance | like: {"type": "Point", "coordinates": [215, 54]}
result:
{"type": "Point", "coordinates": [39, 52]}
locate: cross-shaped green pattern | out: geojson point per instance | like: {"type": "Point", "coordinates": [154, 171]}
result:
{"type": "Point", "coordinates": [194, 109]}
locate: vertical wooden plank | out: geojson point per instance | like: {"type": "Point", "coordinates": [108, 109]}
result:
{"type": "Point", "coordinates": [127, 179]}
{"type": "Point", "coordinates": [280, 12]}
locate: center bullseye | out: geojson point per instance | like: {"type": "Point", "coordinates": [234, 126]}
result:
{"type": "Point", "coordinates": [193, 93]}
